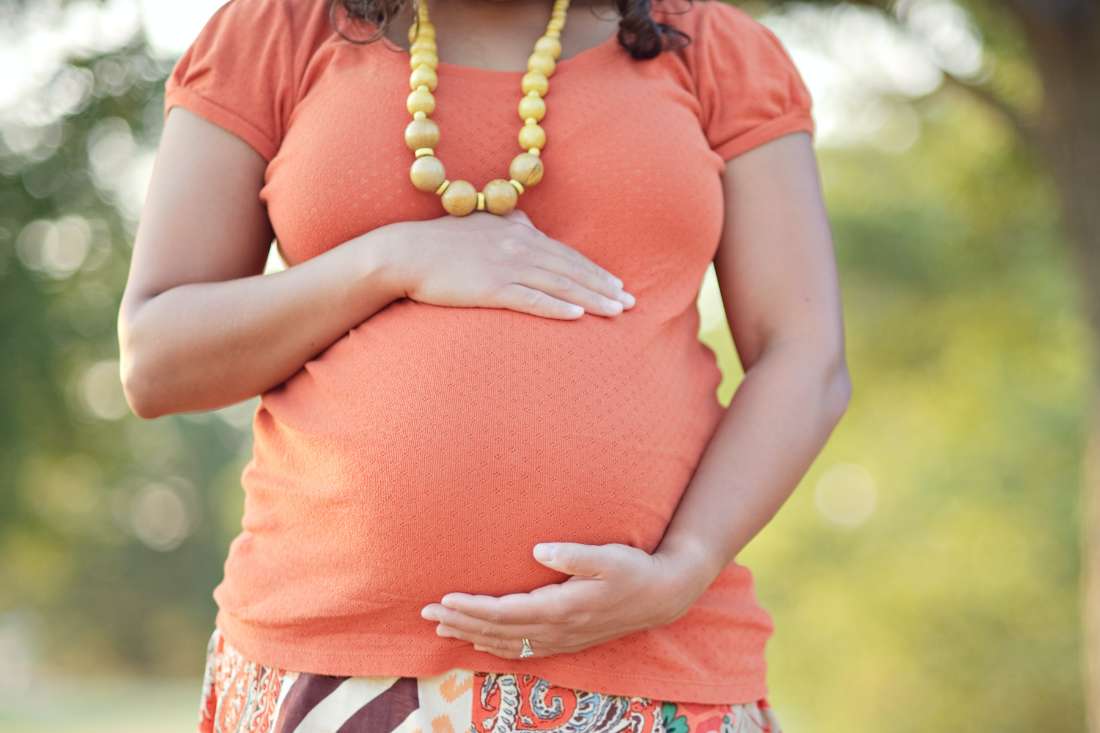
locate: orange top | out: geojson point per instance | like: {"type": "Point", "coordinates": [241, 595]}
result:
{"type": "Point", "coordinates": [430, 448]}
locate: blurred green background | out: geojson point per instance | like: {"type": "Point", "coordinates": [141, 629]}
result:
{"type": "Point", "coordinates": [927, 575]}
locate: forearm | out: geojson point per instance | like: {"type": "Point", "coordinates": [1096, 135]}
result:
{"type": "Point", "coordinates": [776, 424]}
{"type": "Point", "coordinates": [205, 345]}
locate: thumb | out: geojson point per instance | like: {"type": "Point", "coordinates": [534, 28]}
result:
{"type": "Point", "coordinates": [574, 558]}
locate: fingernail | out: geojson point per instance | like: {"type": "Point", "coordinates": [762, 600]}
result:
{"type": "Point", "coordinates": [629, 298]}
{"type": "Point", "coordinates": [544, 552]}
{"type": "Point", "coordinates": [427, 613]}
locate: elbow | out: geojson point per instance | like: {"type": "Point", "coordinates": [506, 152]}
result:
{"type": "Point", "coordinates": [134, 374]}
{"type": "Point", "coordinates": [136, 388]}
{"type": "Point", "coordinates": [837, 390]}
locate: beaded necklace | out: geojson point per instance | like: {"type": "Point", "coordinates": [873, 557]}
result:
{"type": "Point", "coordinates": [460, 197]}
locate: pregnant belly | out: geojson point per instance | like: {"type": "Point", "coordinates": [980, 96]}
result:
{"type": "Point", "coordinates": [431, 448]}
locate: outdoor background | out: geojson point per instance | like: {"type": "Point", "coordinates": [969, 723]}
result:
{"type": "Point", "coordinates": [927, 575]}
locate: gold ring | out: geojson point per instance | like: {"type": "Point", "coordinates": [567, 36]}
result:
{"type": "Point", "coordinates": [526, 651]}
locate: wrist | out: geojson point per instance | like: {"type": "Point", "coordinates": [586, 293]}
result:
{"type": "Point", "coordinates": [381, 263]}
{"type": "Point", "coordinates": [690, 568]}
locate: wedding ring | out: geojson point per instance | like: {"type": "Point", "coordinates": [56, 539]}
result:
{"type": "Point", "coordinates": [526, 651]}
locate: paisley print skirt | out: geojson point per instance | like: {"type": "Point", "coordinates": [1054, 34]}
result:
{"type": "Point", "coordinates": [239, 695]}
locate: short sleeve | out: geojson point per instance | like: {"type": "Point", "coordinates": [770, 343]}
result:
{"type": "Point", "coordinates": [241, 72]}
{"type": "Point", "coordinates": [749, 90]}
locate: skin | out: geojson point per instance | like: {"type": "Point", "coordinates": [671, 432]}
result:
{"type": "Point", "coordinates": [204, 236]}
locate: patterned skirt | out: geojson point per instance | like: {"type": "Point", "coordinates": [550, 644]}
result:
{"type": "Point", "coordinates": [242, 695]}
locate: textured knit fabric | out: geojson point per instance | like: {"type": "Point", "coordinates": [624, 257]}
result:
{"type": "Point", "coordinates": [430, 448]}
{"type": "Point", "coordinates": [239, 694]}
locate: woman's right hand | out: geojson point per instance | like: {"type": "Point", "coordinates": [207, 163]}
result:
{"type": "Point", "coordinates": [486, 260]}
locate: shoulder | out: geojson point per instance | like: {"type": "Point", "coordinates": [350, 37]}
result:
{"type": "Point", "coordinates": [281, 30]}
{"type": "Point", "coordinates": [712, 21]}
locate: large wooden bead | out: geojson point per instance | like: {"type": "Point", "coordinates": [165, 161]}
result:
{"type": "Point", "coordinates": [532, 106]}
{"type": "Point", "coordinates": [420, 100]}
{"type": "Point", "coordinates": [549, 45]}
{"type": "Point", "coordinates": [427, 173]}
{"type": "Point", "coordinates": [534, 81]}
{"type": "Point", "coordinates": [531, 136]}
{"type": "Point", "coordinates": [422, 134]}
{"type": "Point", "coordinates": [500, 196]}
{"type": "Point", "coordinates": [460, 198]}
{"type": "Point", "coordinates": [526, 168]}
{"type": "Point", "coordinates": [423, 75]}
{"type": "Point", "coordinates": [423, 44]}
{"type": "Point", "coordinates": [541, 62]}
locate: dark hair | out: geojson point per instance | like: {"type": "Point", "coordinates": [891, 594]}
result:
{"type": "Point", "coordinates": [639, 33]}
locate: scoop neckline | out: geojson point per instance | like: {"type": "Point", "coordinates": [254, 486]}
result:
{"type": "Point", "coordinates": [606, 47]}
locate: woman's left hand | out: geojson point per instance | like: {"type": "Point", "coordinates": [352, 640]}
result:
{"type": "Point", "coordinates": [615, 589]}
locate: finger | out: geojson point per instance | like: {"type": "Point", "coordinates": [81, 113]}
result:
{"type": "Point", "coordinates": [482, 626]}
{"type": "Point", "coordinates": [568, 289]}
{"type": "Point", "coordinates": [575, 558]}
{"type": "Point", "coordinates": [544, 605]}
{"type": "Point", "coordinates": [529, 300]}
{"type": "Point", "coordinates": [582, 270]}
{"type": "Point", "coordinates": [496, 644]}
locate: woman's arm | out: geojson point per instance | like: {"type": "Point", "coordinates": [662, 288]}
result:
{"type": "Point", "coordinates": [777, 272]}
{"type": "Point", "coordinates": [199, 325]}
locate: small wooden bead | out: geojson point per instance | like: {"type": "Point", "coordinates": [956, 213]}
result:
{"type": "Point", "coordinates": [541, 62]}
{"type": "Point", "coordinates": [421, 152]}
{"type": "Point", "coordinates": [534, 151]}
{"type": "Point", "coordinates": [419, 115]}
{"type": "Point", "coordinates": [422, 134]}
{"type": "Point", "coordinates": [427, 58]}
{"type": "Point", "coordinates": [423, 75]}
{"type": "Point", "coordinates": [532, 107]}
{"type": "Point", "coordinates": [460, 198]}
{"type": "Point", "coordinates": [516, 185]}
{"type": "Point", "coordinates": [420, 100]}
{"type": "Point", "coordinates": [534, 81]}
{"type": "Point", "coordinates": [500, 197]}
{"type": "Point", "coordinates": [480, 201]}
{"type": "Point", "coordinates": [442, 187]}
{"type": "Point", "coordinates": [553, 32]}
{"type": "Point", "coordinates": [549, 45]}
{"type": "Point", "coordinates": [423, 44]}
{"type": "Point", "coordinates": [532, 136]}
{"type": "Point", "coordinates": [427, 173]}
{"type": "Point", "coordinates": [526, 169]}
{"type": "Point", "coordinates": [420, 31]}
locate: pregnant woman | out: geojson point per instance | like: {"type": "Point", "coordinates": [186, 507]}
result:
{"type": "Point", "coordinates": [491, 485]}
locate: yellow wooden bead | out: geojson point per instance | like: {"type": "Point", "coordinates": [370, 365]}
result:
{"type": "Point", "coordinates": [532, 107]}
{"type": "Point", "coordinates": [553, 32]}
{"type": "Point", "coordinates": [500, 197]}
{"type": "Point", "coordinates": [427, 173]}
{"type": "Point", "coordinates": [420, 100]}
{"type": "Point", "coordinates": [421, 152]}
{"type": "Point", "coordinates": [423, 75]}
{"type": "Point", "coordinates": [541, 62]}
{"type": "Point", "coordinates": [549, 45]}
{"type": "Point", "coordinates": [534, 81]}
{"type": "Point", "coordinates": [422, 134]}
{"type": "Point", "coordinates": [421, 31]}
{"type": "Point", "coordinates": [532, 136]}
{"type": "Point", "coordinates": [423, 44]}
{"type": "Point", "coordinates": [526, 168]}
{"type": "Point", "coordinates": [460, 198]}
{"type": "Point", "coordinates": [480, 201]}
{"type": "Point", "coordinates": [442, 187]}
{"type": "Point", "coordinates": [516, 185]}
{"type": "Point", "coordinates": [428, 58]}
